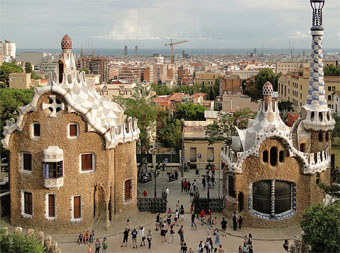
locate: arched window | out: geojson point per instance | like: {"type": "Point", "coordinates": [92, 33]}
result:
{"type": "Point", "coordinates": [303, 147]}
{"type": "Point", "coordinates": [321, 116]}
{"type": "Point", "coordinates": [273, 156]}
{"type": "Point", "coordinates": [312, 116]}
{"type": "Point", "coordinates": [327, 136]}
{"type": "Point", "coordinates": [240, 201]}
{"type": "Point", "coordinates": [231, 186]}
{"type": "Point", "coordinates": [320, 136]}
{"type": "Point", "coordinates": [265, 156]}
{"type": "Point", "coordinates": [281, 156]}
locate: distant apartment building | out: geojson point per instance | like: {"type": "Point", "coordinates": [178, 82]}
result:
{"type": "Point", "coordinates": [293, 87]}
{"type": "Point", "coordinates": [92, 80]}
{"type": "Point", "coordinates": [120, 88]}
{"type": "Point", "coordinates": [230, 84]}
{"type": "Point", "coordinates": [49, 64]}
{"type": "Point", "coordinates": [20, 80]}
{"type": "Point", "coordinates": [96, 65]}
{"type": "Point", "coordinates": [336, 102]}
{"type": "Point", "coordinates": [8, 50]}
{"type": "Point", "coordinates": [35, 58]}
{"type": "Point", "coordinates": [285, 67]}
{"type": "Point", "coordinates": [235, 102]}
{"type": "Point", "coordinates": [125, 50]}
{"type": "Point", "coordinates": [243, 74]}
{"type": "Point", "coordinates": [206, 78]}
{"type": "Point", "coordinates": [136, 51]}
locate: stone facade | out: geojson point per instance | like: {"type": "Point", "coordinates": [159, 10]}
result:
{"type": "Point", "coordinates": [100, 132]}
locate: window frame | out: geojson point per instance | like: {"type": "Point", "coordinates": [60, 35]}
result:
{"type": "Point", "coordinates": [59, 170]}
{"type": "Point", "coordinates": [213, 154]}
{"type": "Point", "coordinates": [35, 137]}
{"type": "Point", "coordinates": [22, 162]}
{"type": "Point", "coordinates": [25, 193]}
{"type": "Point", "coordinates": [193, 148]}
{"type": "Point", "coordinates": [48, 216]}
{"type": "Point", "coordinates": [280, 216]}
{"type": "Point", "coordinates": [74, 218]}
{"type": "Point", "coordinates": [93, 163]}
{"type": "Point", "coordinates": [69, 130]}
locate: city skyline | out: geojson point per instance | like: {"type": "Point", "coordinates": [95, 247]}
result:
{"type": "Point", "coordinates": [151, 23]}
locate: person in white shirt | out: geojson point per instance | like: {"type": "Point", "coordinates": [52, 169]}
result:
{"type": "Point", "coordinates": [142, 236]}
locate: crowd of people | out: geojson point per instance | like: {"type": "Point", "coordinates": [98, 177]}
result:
{"type": "Point", "coordinates": [88, 238]}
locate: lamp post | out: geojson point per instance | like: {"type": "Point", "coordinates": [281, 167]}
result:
{"type": "Point", "coordinates": [155, 175]}
{"type": "Point", "coordinates": [182, 127]}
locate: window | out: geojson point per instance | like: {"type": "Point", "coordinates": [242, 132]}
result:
{"type": "Point", "coordinates": [73, 130]}
{"type": "Point", "coordinates": [28, 203]}
{"type": "Point", "coordinates": [265, 156]}
{"type": "Point", "coordinates": [26, 161]}
{"type": "Point", "coordinates": [281, 156]}
{"type": "Point", "coordinates": [231, 186]}
{"type": "Point", "coordinates": [210, 154]}
{"type": "Point", "coordinates": [87, 162]}
{"type": "Point", "coordinates": [36, 130]}
{"type": "Point", "coordinates": [329, 88]}
{"type": "Point", "coordinates": [52, 169]}
{"type": "Point", "coordinates": [273, 156]}
{"type": "Point", "coordinates": [303, 147]}
{"type": "Point", "coordinates": [128, 189]}
{"type": "Point", "coordinates": [76, 207]}
{"type": "Point", "coordinates": [272, 198]}
{"type": "Point", "coordinates": [317, 178]}
{"type": "Point", "coordinates": [329, 98]}
{"type": "Point", "coordinates": [320, 137]}
{"type": "Point", "coordinates": [193, 154]}
{"type": "Point", "coordinates": [51, 205]}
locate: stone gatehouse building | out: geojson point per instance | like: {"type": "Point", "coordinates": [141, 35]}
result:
{"type": "Point", "coordinates": [271, 170]}
{"type": "Point", "coordinates": [72, 154]}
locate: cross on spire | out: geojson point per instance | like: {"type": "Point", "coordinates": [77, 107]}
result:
{"type": "Point", "coordinates": [54, 106]}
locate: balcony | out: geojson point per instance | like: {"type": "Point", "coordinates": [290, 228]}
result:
{"type": "Point", "coordinates": [53, 183]}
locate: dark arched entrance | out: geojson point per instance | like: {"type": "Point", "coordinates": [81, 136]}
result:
{"type": "Point", "coordinates": [240, 202]}
{"type": "Point", "coordinates": [61, 71]}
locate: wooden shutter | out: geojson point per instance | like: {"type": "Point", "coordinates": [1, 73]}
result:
{"type": "Point", "coordinates": [86, 162]}
{"type": "Point", "coordinates": [36, 129]}
{"type": "Point", "coordinates": [128, 189]}
{"type": "Point", "coordinates": [76, 207]}
{"type": "Point", "coordinates": [51, 205]}
{"type": "Point", "coordinates": [73, 130]}
{"type": "Point", "coordinates": [27, 161]}
{"type": "Point", "coordinates": [28, 202]}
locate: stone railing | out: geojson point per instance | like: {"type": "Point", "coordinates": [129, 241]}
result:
{"type": "Point", "coordinates": [49, 245]}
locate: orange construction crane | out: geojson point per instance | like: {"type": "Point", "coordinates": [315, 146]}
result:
{"type": "Point", "coordinates": [171, 44]}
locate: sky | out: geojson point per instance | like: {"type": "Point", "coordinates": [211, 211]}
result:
{"type": "Point", "coordinates": [151, 23]}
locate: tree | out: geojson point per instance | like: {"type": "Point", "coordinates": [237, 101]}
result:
{"type": "Point", "coordinates": [35, 76]}
{"type": "Point", "coordinates": [285, 106]}
{"type": "Point", "coordinates": [336, 130]}
{"type": "Point", "coordinates": [145, 112]}
{"type": "Point", "coordinates": [6, 69]}
{"type": "Point", "coordinates": [10, 100]}
{"type": "Point", "coordinates": [28, 67]}
{"type": "Point", "coordinates": [189, 111]}
{"type": "Point", "coordinates": [18, 242]}
{"type": "Point", "coordinates": [224, 127]}
{"type": "Point", "coordinates": [321, 227]}
{"type": "Point", "coordinates": [85, 70]}
{"type": "Point", "coordinates": [169, 131]}
{"type": "Point", "coordinates": [332, 70]}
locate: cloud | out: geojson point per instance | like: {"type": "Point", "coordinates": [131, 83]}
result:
{"type": "Point", "coordinates": [338, 34]}
{"type": "Point", "coordinates": [298, 35]}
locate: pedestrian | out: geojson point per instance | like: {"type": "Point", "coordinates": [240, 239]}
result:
{"type": "Point", "coordinates": [189, 186]}
{"type": "Point", "coordinates": [213, 170]}
{"type": "Point", "coordinates": [234, 221]}
{"type": "Point", "coordinates": [190, 250]}
{"type": "Point", "coordinates": [220, 250]}
{"type": "Point", "coordinates": [181, 234]}
{"type": "Point", "coordinates": [92, 236]}
{"type": "Point", "coordinates": [207, 245]}
{"type": "Point", "coordinates": [240, 220]}
{"type": "Point", "coordinates": [240, 249]}
{"type": "Point", "coordinates": [125, 237]}
{"type": "Point", "coordinates": [286, 245]}
{"type": "Point", "coordinates": [97, 245]}
{"type": "Point", "coordinates": [167, 191]}
{"type": "Point", "coordinates": [145, 193]}
{"type": "Point", "coordinates": [185, 185]}
{"type": "Point", "coordinates": [172, 232]}
{"type": "Point", "coordinates": [134, 238]}
{"type": "Point", "coordinates": [128, 224]}
{"type": "Point", "coordinates": [149, 238]}
{"type": "Point", "coordinates": [176, 217]}
{"type": "Point", "coordinates": [214, 221]}
{"type": "Point", "coordinates": [89, 249]}
{"type": "Point", "coordinates": [182, 185]}
{"type": "Point", "coordinates": [202, 216]}
{"type": "Point", "coordinates": [80, 239]}
{"type": "Point", "coordinates": [168, 220]}
{"type": "Point", "coordinates": [157, 221]}
{"type": "Point", "coordinates": [193, 224]}
{"type": "Point", "coordinates": [200, 247]}
{"type": "Point", "coordinates": [213, 181]}
{"type": "Point", "coordinates": [217, 237]}
{"type": "Point", "coordinates": [203, 182]}
{"type": "Point", "coordinates": [250, 249]}
{"type": "Point", "coordinates": [86, 237]}
{"type": "Point", "coordinates": [194, 185]}
{"type": "Point", "coordinates": [163, 233]}
{"type": "Point", "coordinates": [245, 248]}
{"type": "Point", "coordinates": [142, 236]}
{"type": "Point", "coordinates": [250, 240]}
{"type": "Point", "coordinates": [182, 213]}
{"type": "Point", "coordinates": [105, 245]}
{"type": "Point", "coordinates": [169, 211]}
{"type": "Point", "coordinates": [184, 247]}
{"type": "Point", "coordinates": [223, 225]}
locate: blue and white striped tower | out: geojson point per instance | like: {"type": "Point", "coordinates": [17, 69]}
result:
{"type": "Point", "coordinates": [315, 113]}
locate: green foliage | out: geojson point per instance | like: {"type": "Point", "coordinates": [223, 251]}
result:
{"type": "Point", "coordinates": [285, 106]}
{"type": "Point", "coordinates": [332, 70]}
{"type": "Point", "coordinates": [145, 112]}
{"type": "Point", "coordinates": [224, 128]}
{"type": "Point", "coordinates": [321, 227]}
{"type": "Point", "coordinates": [10, 100]}
{"type": "Point", "coordinates": [252, 92]}
{"type": "Point", "coordinates": [19, 243]}
{"type": "Point", "coordinates": [6, 69]}
{"type": "Point", "coordinates": [330, 189]}
{"type": "Point", "coordinates": [169, 130]}
{"type": "Point", "coordinates": [336, 130]}
{"type": "Point", "coordinates": [28, 67]}
{"type": "Point", "coordinates": [85, 70]}
{"type": "Point", "coordinates": [189, 111]}
{"type": "Point", "coordinates": [35, 76]}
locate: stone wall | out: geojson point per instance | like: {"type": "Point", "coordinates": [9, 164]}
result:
{"type": "Point", "coordinates": [316, 144]}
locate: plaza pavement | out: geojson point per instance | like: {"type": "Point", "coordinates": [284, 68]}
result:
{"type": "Point", "coordinates": [264, 240]}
